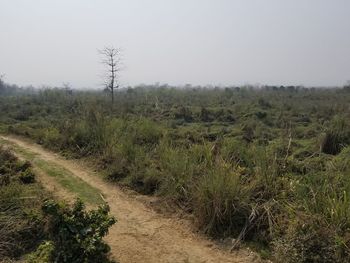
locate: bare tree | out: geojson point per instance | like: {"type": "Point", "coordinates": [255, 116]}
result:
{"type": "Point", "coordinates": [111, 59]}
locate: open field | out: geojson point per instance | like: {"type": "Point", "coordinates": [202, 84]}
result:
{"type": "Point", "coordinates": [267, 168]}
{"type": "Point", "coordinates": [188, 131]}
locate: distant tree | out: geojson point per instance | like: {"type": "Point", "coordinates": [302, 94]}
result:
{"type": "Point", "coordinates": [111, 59]}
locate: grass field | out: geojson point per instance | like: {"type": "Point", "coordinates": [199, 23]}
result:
{"type": "Point", "coordinates": [268, 166]}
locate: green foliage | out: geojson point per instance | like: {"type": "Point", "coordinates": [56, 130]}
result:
{"type": "Point", "coordinates": [43, 254]}
{"type": "Point", "coordinates": [76, 233]}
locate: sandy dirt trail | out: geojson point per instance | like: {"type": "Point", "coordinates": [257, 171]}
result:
{"type": "Point", "coordinates": [141, 234]}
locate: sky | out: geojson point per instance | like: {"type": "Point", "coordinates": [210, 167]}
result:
{"type": "Point", "coordinates": [200, 42]}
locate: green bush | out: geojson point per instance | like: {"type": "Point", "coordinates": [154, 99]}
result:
{"type": "Point", "coordinates": [43, 254]}
{"type": "Point", "coordinates": [77, 234]}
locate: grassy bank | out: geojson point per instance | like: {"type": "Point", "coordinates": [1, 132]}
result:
{"type": "Point", "coordinates": [21, 220]}
{"type": "Point", "coordinates": [62, 176]}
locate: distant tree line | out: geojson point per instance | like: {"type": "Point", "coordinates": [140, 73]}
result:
{"type": "Point", "coordinates": [112, 86]}
{"type": "Point", "coordinates": [11, 89]}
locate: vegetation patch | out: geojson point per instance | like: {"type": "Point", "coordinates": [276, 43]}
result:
{"type": "Point", "coordinates": [268, 166]}
{"type": "Point", "coordinates": [21, 221]}
{"type": "Point", "coordinates": [75, 234]}
{"type": "Point", "coordinates": [40, 230]}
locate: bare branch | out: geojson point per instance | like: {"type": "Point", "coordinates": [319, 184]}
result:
{"type": "Point", "coordinates": [111, 59]}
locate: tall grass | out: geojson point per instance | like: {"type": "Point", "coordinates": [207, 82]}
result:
{"type": "Point", "coordinates": [249, 164]}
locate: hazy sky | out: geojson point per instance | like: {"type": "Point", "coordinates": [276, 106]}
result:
{"type": "Point", "coordinates": [177, 41]}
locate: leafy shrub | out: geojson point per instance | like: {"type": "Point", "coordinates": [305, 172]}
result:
{"type": "Point", "coordinates": [77, 234]}
{"type": "Point", "coordinates": [43, 254]}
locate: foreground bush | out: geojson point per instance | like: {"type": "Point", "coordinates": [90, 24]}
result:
{"type": "Point", "coordinates": [76, 234]}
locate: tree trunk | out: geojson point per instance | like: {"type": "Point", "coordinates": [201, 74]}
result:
{"type": "Point", "coordinates": [112, 97]}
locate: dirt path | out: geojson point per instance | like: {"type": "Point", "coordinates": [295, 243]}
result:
{"type": "Point", "coordinates": [141, 234]}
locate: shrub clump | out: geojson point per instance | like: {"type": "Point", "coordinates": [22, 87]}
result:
{"type": "Point", "coordinates": [76, 233]}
